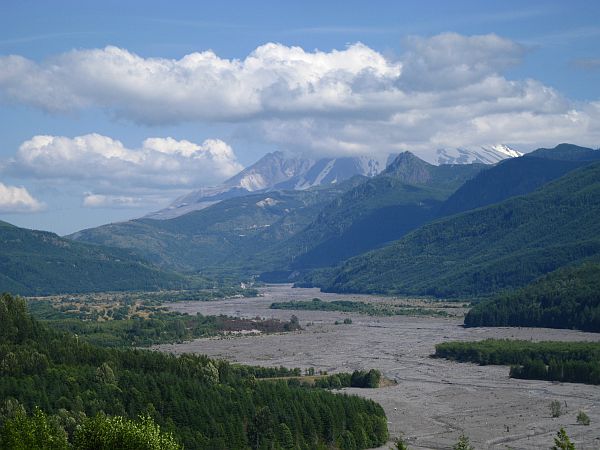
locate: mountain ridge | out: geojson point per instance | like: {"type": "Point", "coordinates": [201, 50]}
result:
{"type": "Point", "coordinates": [500, 246]}
{"type": "Point", "coordinates": [36, 262]}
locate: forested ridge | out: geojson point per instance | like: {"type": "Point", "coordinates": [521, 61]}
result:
{"type": "Point", "coordinates": [567, 298]}
{"type": "Point", "coordinates": [205, 403]}
{"type": "Point", "coordinates": [41, 263]}
{"type": "Point", "coordinates": [500, 247]}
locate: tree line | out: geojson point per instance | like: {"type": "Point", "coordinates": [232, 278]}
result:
{"type": "Point", "coordinates": [203, 403]}
{"type": "Point", "coordinates": [575, 362]}
{"type": "Point", "coordinates": [568, 298]}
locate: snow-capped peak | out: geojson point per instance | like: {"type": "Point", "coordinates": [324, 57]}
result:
{"type": "Point", "coordinates": [510, 152]}
{"type": "Point", "coordinates": [274, 171]}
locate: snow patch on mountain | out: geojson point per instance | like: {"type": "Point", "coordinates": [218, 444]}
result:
{"type": "Point", "coordinates": [484, 155]}
{"type": "Point", "coordinates": [274, 171]}
{"type": "Point", "coordinates": [267, 202]}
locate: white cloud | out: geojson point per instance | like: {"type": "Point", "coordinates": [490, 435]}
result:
{"type": "Point", "coordinates": [17, 199]}
{"type": "Point", "coordinates": [102, 161]}
{"type": "Point", "coordinates": [272, 79]}
{"type": "Point", "coordinates": [111, 201]}
{"type": "Point", "coordinates": [445, 90]}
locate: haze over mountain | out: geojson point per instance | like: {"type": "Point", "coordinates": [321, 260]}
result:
{"type": "Point", "coordinates": [225, 235]}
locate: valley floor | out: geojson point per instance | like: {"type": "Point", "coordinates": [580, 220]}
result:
{"type": "Point", "coordinates": [435, 400]}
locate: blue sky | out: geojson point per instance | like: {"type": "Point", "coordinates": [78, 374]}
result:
{"type": "Point", "coordinates": [111, 110]}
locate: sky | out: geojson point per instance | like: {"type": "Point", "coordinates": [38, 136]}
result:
{"type": "Point", "coordinates": [110, 110]}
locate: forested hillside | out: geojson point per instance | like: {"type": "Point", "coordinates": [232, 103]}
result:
{"type": "Point", "coordinates": [291, 230]}
{"type": "Point", "coordinates": [207, 404]}
{"type": "Point", "coordinates": [502, 246]}
{"type": "Point", "coordinates": [221, 237]}
{"type": "Point", "coordinates": [567, 298]}
{"type": "Point", "coordinates": [39, 263]}
{"type": "Point", "coordinates": [381, 209]}
{"type": "Point", "coordinates": [517, 176]}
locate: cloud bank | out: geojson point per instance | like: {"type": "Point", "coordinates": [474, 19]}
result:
{"type": "Point", "coordinates": [445, 90]}
{"type": "Point", "coordinates": [122, 177]}
{"type": "Point", "coordinates": [17, 200]}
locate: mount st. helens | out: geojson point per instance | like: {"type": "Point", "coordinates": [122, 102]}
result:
{"type": "Point", "coordinates": [255, 233]}
{"type": "Point", "coordinates": [277, 171]}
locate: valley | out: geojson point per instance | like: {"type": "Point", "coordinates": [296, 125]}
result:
{"type": "Point", "coordinates": [299, 225]}
{"type": "Point", "coordinates": [435, 400]}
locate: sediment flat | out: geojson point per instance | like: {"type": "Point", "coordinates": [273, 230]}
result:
{"type": "Point", "coordinates": [434, 400]}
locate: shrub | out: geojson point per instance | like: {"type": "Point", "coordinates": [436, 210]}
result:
{"type": "Point", "coordinates": [583, 418]}
{"type": "Point", "coordinates": [555, 409]}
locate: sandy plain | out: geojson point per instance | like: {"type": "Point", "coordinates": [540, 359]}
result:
{"type": "Point", "coordinates": [434, 400]}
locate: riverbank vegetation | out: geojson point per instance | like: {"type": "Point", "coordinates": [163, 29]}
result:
{"type": "Point", "coordinates": [575, 362]}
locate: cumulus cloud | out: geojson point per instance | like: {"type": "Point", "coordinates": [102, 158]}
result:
{"type": "Point", "coordinates": [104, 161]}
{"type": "Point", "coordinates": [445, 90]}
{"type": "Point", "coordinates": [272, 79]}
{"type": "Point", "coordinates": [15, 199]}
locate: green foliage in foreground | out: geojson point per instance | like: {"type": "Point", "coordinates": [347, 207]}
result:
{"type": "Point", "coordinates": [21, 432]}
{"type": "Point", "coordinates": [576, 362]}
{"type": "Point", "coordinates": [39, 431]}
{"type": "Point", "coordinates": [567, 298]}
{"type": "Point", "coordinates": [371, 309]}
{"type": "Point", "coordinates": [206, 404]}
{"type": "Point", "coordinates": [562, 441]}
{"type": "Point", "coordinates": [106, 433]}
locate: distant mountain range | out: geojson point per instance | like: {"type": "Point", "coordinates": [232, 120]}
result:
{"type": "Point", "coordinates": [411, 228]}
{"type": "Point", "coordinates": [278, 171]}
{"type": "Point", "coordinates": [226, 235]}
{"type": "Point", "coordinates": [290, 230]}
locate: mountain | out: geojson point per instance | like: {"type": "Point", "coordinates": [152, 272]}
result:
{"type": "Point", "coordinates": [517, 176]}
{"type": "Point", "coordinates": [274, 171]}
{"type": "Point", "coordinates": [483, 155]}
{"type": "Point", "coordinates": [567, 298]}
{"type": "Point", "coordinates": [383, 208]}
{"type": "Point", "coordinates": [223, 236]}
{"type": "Point", "coordinates": [292, 229]}
{"type": "Point", "coordinates": [39, 263]}
{"type": "Point", "coordinates": [278, 171]}
{"type": "Point", "coordinates": [497, 247]}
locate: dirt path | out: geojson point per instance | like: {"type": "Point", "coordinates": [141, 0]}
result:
{"type": "Point", "coordinates": [435, 400]}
